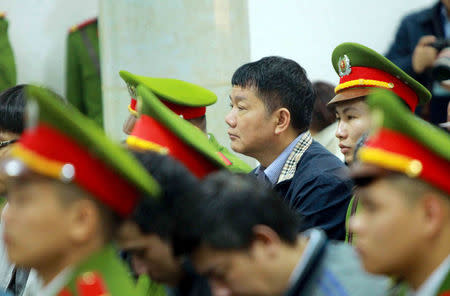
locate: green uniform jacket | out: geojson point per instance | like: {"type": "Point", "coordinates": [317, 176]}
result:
{"type": "Point", "coordinates": [237, 164]}
{"type": "Point", "coordinates": [7, 66]}
{"type": "Point", "coordinates": [83, 84]}
{"type": "Point", "coordinates": [102, 272]}
{"type": "Point", "coordinates": [146, 287]}
{"type": "Point", "coordinates": [401, 289]}
{"type": "Point", "coordinates": [352, 209]}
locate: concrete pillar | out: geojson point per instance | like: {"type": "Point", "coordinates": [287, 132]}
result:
{"type": "Point", "coordinates": [200, 41]}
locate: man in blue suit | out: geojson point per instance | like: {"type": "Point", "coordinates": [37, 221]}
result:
{"type": "Point", "coordinates": [411, 50]}
{"type": "Point", "coordinates": [271, 106]}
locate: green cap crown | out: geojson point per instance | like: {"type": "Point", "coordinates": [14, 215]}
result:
{"type": "Point", "coordinates": [150, 105]}
{"type": "Point", "coordinates": [362, 56]}
{"type": "Point", "coordinates": [173, 90]}
{"type": "Point", "coordinates": [69, 121]}
{"type": "Point", "coordinates": [389, 112]}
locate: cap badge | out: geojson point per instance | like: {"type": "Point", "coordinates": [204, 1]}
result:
{"type": "Point", "coordinates": [344, 66]}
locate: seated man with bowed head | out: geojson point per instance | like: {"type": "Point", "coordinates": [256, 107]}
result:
{"type": "Point", "coordinates": [245, 240]}
{"type": "Point", "coordinates": [148, 240]}
{"type": "Point", "coordinates": [271, 105]}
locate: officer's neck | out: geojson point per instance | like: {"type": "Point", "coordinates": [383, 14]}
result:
{"type": "Point", "coordinates": [70, 257]}
{"type": "Point", "coordinates": [424, 264]}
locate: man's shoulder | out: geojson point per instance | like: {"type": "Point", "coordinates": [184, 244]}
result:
{"type": "Point", "coordinates": [420, 16]}
{"type": "Point", "coordinates": [319, 159]}
{"type": "Point", "coordinates": [344, 269]}
{"type": "Point", "coordinates": [319, 166]}
{"type": "Point", "coordinates": [103, 272]}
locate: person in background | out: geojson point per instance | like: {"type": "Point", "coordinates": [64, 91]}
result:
{"type": "Point", "coordinates": [323, 121]}
{"type": "Point", "coordinates": [362, 70]}
{"type": "Point", "coordinates": [83, 75]}
{"type": "Point", "coordinates": [253, 246]}
{"type": "Point", "coordinates": [7, 64]}
{"type": "Point", "coordinates": [185, 99]}
{"type": "Point", "coordinates": [159, 129]}
{"type": "Point", "coordinates": [403, 225]}
{"type": "Point", "coordinates": [415, 50]}
{"type": "Point", "coordinates": [271, 105]}
{"type": "Point", "coordinates": [66, 176]}
{"type": "Point", "coordinates": [148, 241]}
{"type": "Point", "coordinates": [16, 280]}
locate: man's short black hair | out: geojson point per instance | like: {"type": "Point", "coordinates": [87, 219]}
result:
{"type": "Point", "coordinates": [156, 216]}
{"type": "Point", "coordinates": [12, 106]}
{"type": "Point", "coordinates": [279, 82]}
{"type": "Point", "coordinates": [224, 216]}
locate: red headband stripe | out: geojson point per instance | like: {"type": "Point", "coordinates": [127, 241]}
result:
{"type": "Point", "coordinates": [90, 172]}
{"type": "Point", "coordinates": [401, 144]}
{"type": "Point", "coordinates": [148, 129]}
{"type": "Point", "coordinates": [400, 88]}
{"type": "Point", "coordinates": [186, 111]}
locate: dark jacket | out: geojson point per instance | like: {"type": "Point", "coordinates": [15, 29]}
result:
{"type": "Point", "coordinates": [319, 191]}
{"type": "Point", "coordinates": [192, 284]}
{"type": "Point", "coordinates": [412, 28]}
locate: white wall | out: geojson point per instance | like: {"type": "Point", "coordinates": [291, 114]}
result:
{"type": "Point", "coordinates": [38, 30]}
{"type": "Point", "coordinates": [307, 31]}
{"type": "Point", "coordinates": [304, 30]}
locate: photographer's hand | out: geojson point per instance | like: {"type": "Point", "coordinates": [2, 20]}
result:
{"type": "Point", "coordinates": [424, 55]}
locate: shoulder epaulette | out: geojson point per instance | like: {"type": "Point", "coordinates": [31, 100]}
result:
{"type": "Point", "coordinates": [2, 14]}
{"type": "Point", "coordinates": [91, 284]}
{"type": "Point", "coordinates": [82, 25]}
{"type": "Point", "coordinates": [65, 292]}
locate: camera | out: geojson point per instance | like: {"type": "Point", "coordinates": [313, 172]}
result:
{"type": "Point", "coordinates": [441, 67]}
{"type": "Point", "coordinates": [440, 44]}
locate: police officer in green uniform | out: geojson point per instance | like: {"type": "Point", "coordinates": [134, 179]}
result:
{"type": "Point", "coordinates": [7, 66]}
{"type": "Point", "coordinates": [403, 224]}
{"type": "Point", "coordinates": [69, 187]}
{"type": "Point", "coordinates": [187, 100]}
{"type": "Point", "coordinates": [362, 70]}
{"type": "Point", "coordinates": [83, 83]}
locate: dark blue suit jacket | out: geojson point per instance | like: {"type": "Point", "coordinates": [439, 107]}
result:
{"type": "Point", "coordinates": [412, 28]}
{"type": "Point", "coordinates": [319, 191]}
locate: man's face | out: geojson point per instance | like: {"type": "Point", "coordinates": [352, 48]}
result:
{"type": "Point", "coordinates": [35, 222]}
{"type": "Point", "coordinates": [251, 128]}
{"type": "Point", "coordinates": [353, 121]}
{"type": "Point", "coordinates": [236, 272]}
{"type": "Point", "coordinates": [386, 227]}
{"type": "Point", "coordinates": [150, 254]}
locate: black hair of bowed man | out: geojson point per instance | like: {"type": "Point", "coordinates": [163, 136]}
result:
{"type": "Point", "coordinates": [12, 107]}
{"type": "Point", "coordinates": [177, 183]}
{"type": "Point", "coordinates": [230, 206]}
{"type": "Point", "coordinates": [279, 82]}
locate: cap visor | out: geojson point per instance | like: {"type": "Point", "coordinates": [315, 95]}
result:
{"type": "Point", "coordinates": [350, 94]}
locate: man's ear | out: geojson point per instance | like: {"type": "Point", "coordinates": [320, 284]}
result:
{"type": "Point", "coordinates": [266, 241]}
{"type": "Point", "coordinates": [283, 120]}
{"type": "Point", "coordinates": [435, 214]}
{"type": "Point", "coordinates": [84, 221]}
